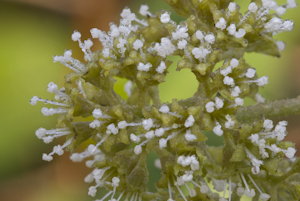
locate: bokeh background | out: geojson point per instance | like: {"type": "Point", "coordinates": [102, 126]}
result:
{"type": "Point", "coordinates": [31, 32]}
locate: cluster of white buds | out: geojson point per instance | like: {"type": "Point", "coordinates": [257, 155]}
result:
{"type": "Point", "coordinates": [119, 133]}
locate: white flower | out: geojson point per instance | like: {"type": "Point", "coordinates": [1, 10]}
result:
{"type": "Point", "coordinates": [165, 17]}
{"type": "Point", "coordinates": [231, 29]}
{"type": "Point", "coordinates": [262, 81]}
{"type": "Point", "coordinates": [252, 7]}
{"type": "Point", "coordinates": [165, 48]}
{"type": "Point", "coordinates": [189, 121]}
{"type": "Point", "coordinates": [210, 107]}
{"type": "Point", "coordinates": [228, 81]}
{"type": "Point", "coordinates": [240, 33]}
{"type": "Point", "coordinates": [219, 103]}
{"type": "Point", "coordinates": [113, 129]}
{"type": "Point", "coordinates": [137, 44]}
{"type": "Point", "coordinates": [234, 63]}
{"type": "Point", "coordinates": [161, 68]}
{"type": "Point", "coordinates": [236, 91]}
{"type": "Point", "coordinates": [268, 124]}
{"type": "Point", "coordinates": [76, 36]}
{"type": "Point", "coordinates": [210, 38]}
{"type": "Point", "coordinates": [218, 129]}
{"type": "Point", "coordinates": [135, 138]}
{"type": "Point", "coordinates": [290, 152]}
{"type": "Point", "coordinates": [199, 35]}
{"type": "Point", "coordinates": [239, 101]}
{"type": "Point", "coordinates": [181, 44]}
{"type": "Point", "coordinates": [92, 191]}
{"type": "Point", "coordinates": [97, 113]}
{"type": "Point", "coordinates": [250, 73]}
{"type": "Point", "coordinates": [162, 143]}
{"type": "Point", "coordinates": [144, 10]}
{"type": "Point", "coordinates": [189, 136]}
{"type": "Point", "coordinates": [122, 124]}
{"type": "Point", "coordinates": [264, 196]}
{"type": "Point", "coordinates": [280, 45]}
{"type": "Point", "coordinates": [221, 24]}
{"type": "Point", "coordinates": [231, 7]}
{"type": "Point", "coordinates": [138, 149]}
{"type": "Point", "coordinates": [144, 67]}
{"type": "Point", "coordinates": [52, 87]}
{"type": "Point", "coordinates": [47, 157]}
{"type": "Point", "coordinates": [147, 124]}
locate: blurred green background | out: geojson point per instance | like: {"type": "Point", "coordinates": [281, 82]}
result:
{"type": "Point", "coordinates": [31, 32]}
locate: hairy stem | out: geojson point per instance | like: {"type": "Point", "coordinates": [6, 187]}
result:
{"type": "Point", "coordinates": [279, 108]}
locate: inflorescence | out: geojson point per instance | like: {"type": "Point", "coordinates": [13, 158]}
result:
{"type": "Point", "coordinates": [125, 131]}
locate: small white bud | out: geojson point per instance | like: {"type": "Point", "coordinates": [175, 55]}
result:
{"type": "Point", "coordinates": [250, 193]}
{"type": "Point", "coordinates": [228, 81]}
{"type": "Point", "coordinates": [210, 107]}
{"type": "Point", "coordinates": [164, 109]}
{"type": "Point", "coordinates": [210, 38]}
{"type": "Point", "coordinates": [221, 24]}
{"type": "Point", "coordinates": [115, 181]}
{"type": "Point", "coordinates": [218, 129]}
{"type": "Point", "coordinates": [162, 143]}
{"type": "Point", "coordinates": [219, 103]}
{"type": "Point", "coordinates": [113, 129]}
{"type": "Point", "coordinates": [239, 101]}
{"type": "Point", "coordinates": [150, 134]}
{"type": "Point", "coordinates": [157, 163]}
{"type": "Point", "coordinates": [234, 63]}
{"type": "Point", "coordinates": [40, 133]}
{"type": "Point", "coordinates": [181, 44]}
{"type": "Point", "coordinates": [96, 33]}
{"type": "Point", "coordinates": [252, 7]}
{"type": "Point", "coordinates": [250, 73]}
{"type": "Point", "coordinates": [159, 132]}
{"type": "Point", "coordinates": [92, 191]}
{"type": "Point", "coordinates": [189, 121]}
{"type": "Point", "coordinates": [262, 81]}
{"type": "Point", "coordinates": [290, 152]}
{"type": "Point", "coordinates": [135, 138]}
{"type": "Point", "coordinates": [165, 17]}
{"type": "Point", "coordinates": [147, 124]}
{"type": "Point", "coordinates": [97, 113]}
{"type": "Point", "coordinates": [75, 157]}
{"type": "Point", "coordinates": [88, 44]}
{"type": "Point", "coordinates": [47, 157]}
{"type": "Point", "coordinates": [231, 7]}
{"type": "Point", "coordinates": [161, 68]}
{"type": "Point", "coordinates": [58, 150]}
{"type": "Point", "coordinates": [33, 100]}
{"type": "Point", "coordinates": [144, 10]}
{"type": "Point", "coordinates": [144, 67]}
{"type": "Point", "coordinates": [76, 36]}
{"type": "Point", "coordinates": [240, 33]}
{"type": "Point", "coordinates": [122, 124]}
{"type": "Point", "coordinates": [137, 44]}
{"type": "Point", "coordinates": [280, 45]}
{"type": "Point", "coordinates": [189, 136]}
{"type": "Point", "coordinates": [138, 149]}
{"type": "Point", "coordinates": [52, 87]}
{"type": "Point", "coordinates": [264, 196]}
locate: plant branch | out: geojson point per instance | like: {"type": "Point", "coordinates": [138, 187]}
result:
{"type": "Point", "coordinates": [279, 108]}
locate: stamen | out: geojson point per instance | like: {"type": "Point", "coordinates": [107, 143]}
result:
{"type": "Point", "coordinates": [182, 195]}
{"type": "Point", "coordinates": [34, 99]}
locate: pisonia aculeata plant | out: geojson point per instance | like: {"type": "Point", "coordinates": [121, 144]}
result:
{"type": "Point", "coordinates": [254, 160]}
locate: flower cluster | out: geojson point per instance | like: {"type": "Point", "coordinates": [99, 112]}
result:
{"type": "Point", "coordinates": [124, 131]}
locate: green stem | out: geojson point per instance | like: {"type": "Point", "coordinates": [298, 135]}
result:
{"type": "Point", "coordinates": [279, 108]}
{"type": "Point", "coordinates": [273, 192]}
